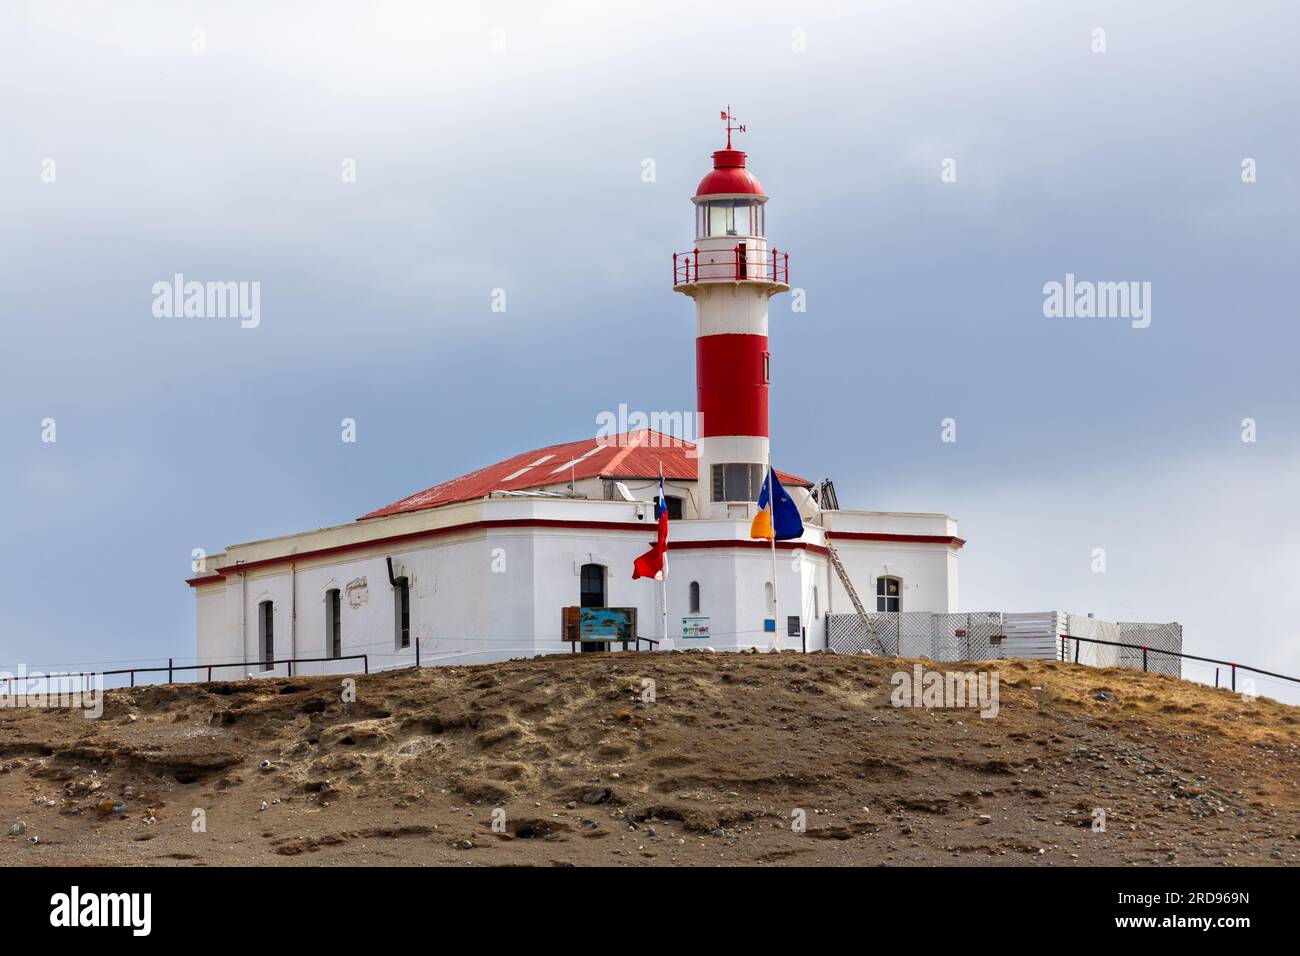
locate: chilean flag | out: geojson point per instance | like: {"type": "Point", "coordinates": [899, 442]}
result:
{"type": "Point", "coordinates": [651, 564]}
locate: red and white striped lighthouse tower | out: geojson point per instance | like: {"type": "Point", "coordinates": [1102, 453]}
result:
{"type": "Point", "coordinates": [731, 273]}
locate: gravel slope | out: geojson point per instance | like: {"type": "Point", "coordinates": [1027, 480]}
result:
{"type": "Point", "coordinates": [581, 769]}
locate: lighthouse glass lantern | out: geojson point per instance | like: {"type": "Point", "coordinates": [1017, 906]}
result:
{"type": "Point", "coordinates": [729, 217]}
{"type": "Point", "coordinates": [731, 272]}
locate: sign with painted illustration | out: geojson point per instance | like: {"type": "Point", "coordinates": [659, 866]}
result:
{"type": "Point", "coordinates": [695, 626]}
{"type": "Point", "coordinates": [599, 624]}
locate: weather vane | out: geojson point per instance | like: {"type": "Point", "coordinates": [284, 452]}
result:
{"type": "Point", "coordinates": [729, 119]}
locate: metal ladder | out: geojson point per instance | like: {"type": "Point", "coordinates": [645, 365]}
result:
{"type": "Point", "coordinates": [877, 646]}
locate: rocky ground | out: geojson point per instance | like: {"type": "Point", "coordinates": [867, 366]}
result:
{"type": "Point", "coordinates": [565, 760]}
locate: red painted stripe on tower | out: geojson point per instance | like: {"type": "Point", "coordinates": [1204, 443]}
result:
{"type": "Point", "coordinates": [731, 385]}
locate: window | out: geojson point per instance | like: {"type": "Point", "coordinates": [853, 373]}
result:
{"type": "Point", "coordinates": [674, 507]}
{"type": "Point", "coordinates": [888, 593]}
{"type": "Point", "coordinates": [266, 634]}
{"type": "Point", "coordinates": [767, 368]}
{"type": "Point", "coordinates": [695, 597]}
{"type": "Point", "coordinates": [721, 221]}
{"type": "Point", "coordinates": [737, 482]}
{"type": "Point", "coordinates": [729, 217]}
{"type": "Point", "coordinates": [817, 608]}
{"type": "Point", "coordinates": [740, 218]}
{"type": "Point", "coordinates": [769, 596]}
{"type": "Point", "coordinates": [593, 585]}
{"type": "Point", "coordinates": [333, 623]}
{"type": "Point", "coordinates": [402, 611]}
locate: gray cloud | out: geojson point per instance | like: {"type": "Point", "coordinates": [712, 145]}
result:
{"type": "Point", "coordinates": [521, 170]}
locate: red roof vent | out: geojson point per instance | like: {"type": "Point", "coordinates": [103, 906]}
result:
{"type": "Point", "coordinates": [729, 177]}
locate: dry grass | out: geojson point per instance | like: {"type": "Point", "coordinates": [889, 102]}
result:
{"type": "Point", "coordinates": [710, 772]}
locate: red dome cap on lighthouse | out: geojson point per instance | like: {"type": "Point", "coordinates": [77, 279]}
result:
{"type": "Point", "coordinates": [729, 176]}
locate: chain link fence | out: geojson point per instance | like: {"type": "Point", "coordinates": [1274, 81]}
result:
{"type": "Point", "coordinates": [1156, 638]}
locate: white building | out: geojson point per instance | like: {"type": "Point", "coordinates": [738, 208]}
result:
{"type": "Point", "coordinates": [479, 568]}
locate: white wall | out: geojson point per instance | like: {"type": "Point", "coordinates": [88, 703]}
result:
{"type": "Point", "coordinates": [490, 593]}
{"type": "Point", "coordinates": [928, 569]}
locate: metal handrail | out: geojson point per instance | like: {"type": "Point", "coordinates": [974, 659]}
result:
{"type": "Point", "coordinates": [171, 667]}
{"type": "Point", "coordinates": [1156, 650]}
{"type": "Point", "coordinates": [751, 264]}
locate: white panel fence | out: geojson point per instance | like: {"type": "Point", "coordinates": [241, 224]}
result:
{"type": "Point", "coordinates": [983, 635]}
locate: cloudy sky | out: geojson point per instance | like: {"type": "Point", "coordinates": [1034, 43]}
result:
{"type": "Point", "coordinates": [503, 147]}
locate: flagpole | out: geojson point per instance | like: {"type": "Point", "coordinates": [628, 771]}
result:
{"type": "Point", "coordinates": [663, 597]}
{"type": "Point", "coordinates": [663, 584]}
{"type": "Point", "coordinates": [771, 503]}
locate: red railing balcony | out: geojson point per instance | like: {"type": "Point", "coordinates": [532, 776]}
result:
{"type": "Point", "coordinates": [735, 265]}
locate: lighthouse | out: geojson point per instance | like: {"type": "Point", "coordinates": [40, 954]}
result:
{"type": "Point", "coordinates": [731, 273]}
{"type": "Point", "coordinates": [419, 581]}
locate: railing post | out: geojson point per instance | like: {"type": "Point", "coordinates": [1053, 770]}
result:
{"type": "Point", "coordinates": [697, 266]}
{"type": "Point", "coordinates": [1077, 642]}
{"type": "Point", "coordinates": [291, 667]}
{"type": "Point", "coordinates": [1144, 660]}
{"type": "Point", "coordinates": [674, 268]}
{"type": "Point", "coordinates": [1216, 678]}
{"type": "Point", "coordinates": [1234, 676]}
{"type": "Point", "coordinates": [365, 659]}
{"type": "Point", "coordinates": [417, 650]}
{"type": "Point", "coordinates": [132, 676]}
{"type": "Point", "coordinates": [169, 670]}
{"type": "Point", "coordinates": [209, 673]}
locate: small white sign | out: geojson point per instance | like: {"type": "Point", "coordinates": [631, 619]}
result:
{"type": "Point", "coordinates": [695, 627]}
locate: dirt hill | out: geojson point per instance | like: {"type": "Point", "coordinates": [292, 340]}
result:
{"type": "Point", "coordinates": [713, 771]}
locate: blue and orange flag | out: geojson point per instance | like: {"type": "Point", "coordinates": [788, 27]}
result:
{"type": "Point", "coordinates": [651, 564]}
{"type": "Point", "coordinates": [778, 515]}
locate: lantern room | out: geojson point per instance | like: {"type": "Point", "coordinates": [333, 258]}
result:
{"type": "Point", "coordinates": [730, 230]}
{"type": "Point", "coordinates": [729, 201]}
{"type": "Point", "coordinates": [739, 218]}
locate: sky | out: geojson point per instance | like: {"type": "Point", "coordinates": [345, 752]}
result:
{"type": "Point", "coordinates": [931, 168]}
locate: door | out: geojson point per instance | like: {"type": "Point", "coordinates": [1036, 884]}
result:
{"type": "Point", "coordinates": [266, 628]}
{"type": "Point", "coordinates": [593, 595]}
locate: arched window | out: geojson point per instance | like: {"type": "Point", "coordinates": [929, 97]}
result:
{"type": "Point", "coordinates": [695, 597]}
{"type": "Point", "coordinates": [266, 634]}
{"type": "Point", "coordinates": [889, 593]}
{"type": "Point", "coordinates": [592, 594]}
{"type": "Point", "coordinates": [333, 623]}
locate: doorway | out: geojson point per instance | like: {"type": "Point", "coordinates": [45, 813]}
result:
{"type": "Point", "coordinates": [593, 595]}
{"type": "Point", "coordinates": [266, 634]}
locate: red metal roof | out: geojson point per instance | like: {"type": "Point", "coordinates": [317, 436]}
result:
{"type": "Point", "coordinates": [729, 176]}
{"type": "Point", "coordinates": [636, 454]}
